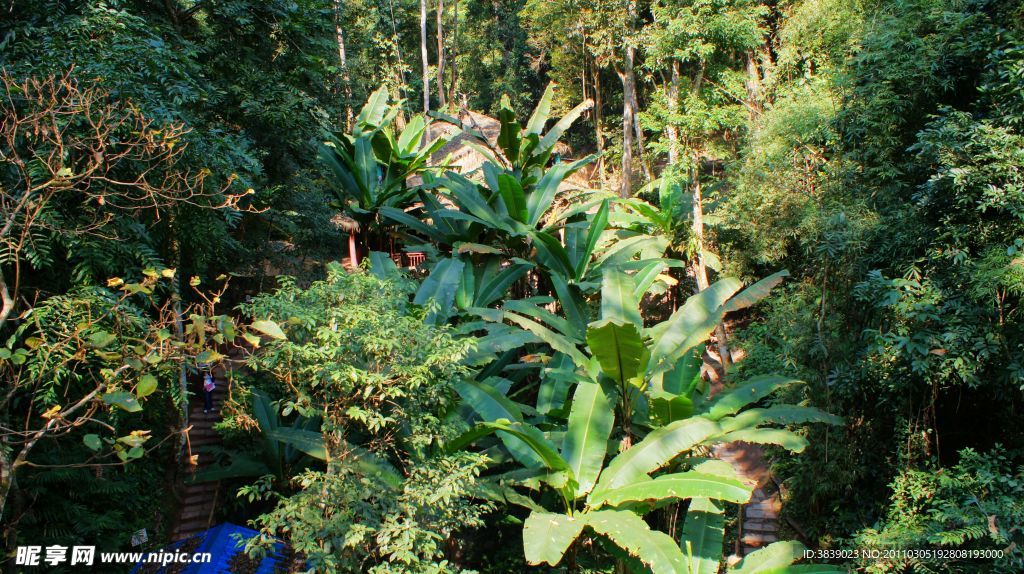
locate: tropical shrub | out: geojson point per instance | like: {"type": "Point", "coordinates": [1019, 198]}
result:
{"type": "Point", "coordinates": [355, 354]}
{"type": "Point", "coordinates": [975, 506]}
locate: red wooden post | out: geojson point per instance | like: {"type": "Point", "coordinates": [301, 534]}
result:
{"type": "Point", "coordinates": [353, 258]}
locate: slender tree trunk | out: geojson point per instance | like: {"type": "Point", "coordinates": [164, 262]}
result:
{"type": "Point", "coordinates": [700, 268]}
{"type": "Point", "coordinates": [454, 53]}
{"type": "Point", "coordinates": [630, 94]}
{"type": "Point", "coordinates": [423, 56]}
{"type": "Point", "coordinates": [440, 54]}
{"type": "Point", "coordinates": [753, 85]}
{"type": "Point", "coordinates": [7, 300]}
{"type": "Point", "coordinates": [671, 132]}
{"type": "Point", "coordinates": [599, 123]}
{"type": "Point", "coordinates": [634, 104]}
{"type": "Point", "coordinates": [626, 190]}
{"type": "Point", "coordinates": [6, 476]}
{"type": "Point", "coordinates": [343, 64]}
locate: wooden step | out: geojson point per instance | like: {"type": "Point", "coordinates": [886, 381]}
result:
{"type": "Point", "coordinates": [759, 538]}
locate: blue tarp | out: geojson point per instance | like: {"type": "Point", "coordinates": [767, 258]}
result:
{"type": "Point", "coordinates": [223, 542]}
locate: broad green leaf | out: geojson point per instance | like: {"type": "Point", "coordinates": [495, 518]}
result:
{"type": "Point", "coordinates": [551, 249]}
{"type": "Point", "coordinates": [679, 380]}
{"type": "Point", "coordinates": [555, 133]}
{"type": "Point", "coordinates": [535, 125]}
{"type": "Point", "coordinates": [751, 391]}
{"type": "Point", "coordinates": [543, 449]}
{"type": "Point", "coordinates": [546, 190]}
{"type": "Point", "coordinates": [557, 342]}
{"type": "Point", "coordinates": [376, 105]}
{"type": "Point", "coordinates": [146, 386]}
{"type": "Point", "coordinates": [618, 348]}
{"type": "Point", "coordinates": [618, 302]}
{"type": "Point", "coordinates": [487, 402]}
{"type": "Point", "coordinates": [656, 450]}
{"type": "Point", "coordinates": [382, 265]}
{"type": "Point", "coordinates": [628, 531]}
{"type": "Point", "coordinates": [573, 304]}
{"type": "Point", "coordinates": [595, 228]}
{"type": "Point", "coordinates": [512, 194]}
{"type": "Point", "coordinates": [92, 441]}
{"type": "Point", "coordinates": [678, 486]}
{"type": "Point", "coordinates": [493, 286]}
{"type": "Point", "coordinates": [269, 328]}
{"type": "Point", "coordinates": [124, 400]}
{"type": "Point", "coordinates": [547, 536]}
{"type": "Point", "coordinates": [788, 440]}
{"type": "Point", "coordinates": [755, 292]}
{"type": "Point", "coordinates": [646, 277]}
{"type": "Point", "coordinates": [690, 325]}
{"type": "Point", "coordinates": [541, 314]}
{"type": "Point", "coordinates": [307, 441]}
{"type": "Point", "coordinates": [703, 536]}
{"type": "Point", "coordinates": [413, 223]}
{"type": "Point", "coordinates": [586, 440]}
{"type": "Point", "coordinates": [440, 287]}
{"type": "Point", "coordinates": [666, 407]}
{"type": "Point", "coordinates": [778, 414]}
{"type": "Point", "coordinates": [101, 339]}
{"type": "Point", "coordinates": [769, 558]}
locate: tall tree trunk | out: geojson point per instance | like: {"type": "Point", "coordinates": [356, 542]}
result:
{"type": "Point", "coordinates": [626, 190]}
{"type": "Point", "coordinates": [599, 122]}
{"type": "Point", "coordinates": [633, 103]}
{"type": "Point", "coordinates": [455, 53]}
{"type": "Point", "coordinates": [630, 94]}
{"type": "Point", "coordinates": [440, 54]}
{"type": "Point", "coordinates": [753, 85]}
{"type": "Point", "coordinates": [700, 268]}
{"type": "Point", "coordinates": [423, 56]}
{"type": "Point", "coordinates": [671, 132]}
{"type": "Point", "coordinates": [343, 64]}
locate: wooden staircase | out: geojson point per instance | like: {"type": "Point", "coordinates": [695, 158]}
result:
{"type": "Point", "coordinates": [759, 518]}
{"type": "Point", "coordinates": [199, 501]}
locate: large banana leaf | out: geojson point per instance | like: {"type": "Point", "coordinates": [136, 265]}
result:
{"type": "Point", "coordinates": [778, 414]}
{"type": "Point", "coordinates": [618, 302]}
{"type": "Point", "coordinates": [628, 531]}
{"type": "Point", "coordinates": [542, 449]}
{"type": "Point", "coordinates": [440, 287]}
{"type": "Point", "coordinates": [619, 348]}
{"type": "Point", "coordinates": [595, 228]}
{"type": "Point", "coordinates": [493, 286]}
{"type": "Point", "coordinates": [749, 392]}
{"type": "Point", "coordinates": [656, 450]}
{"type": "Point", "coordinates": [775, 557]}
{"type": "Point", "coordinates": [755, 292]}
{"type": "Point", "coordinates": [678, 486]}
{"type": "Point", "coordinates": [586, 440]}
{"type": "Point", "coordinates": [788, 440]}
{"type": "Point", "coordinates": [546, 536]}
{"type": "Point", "coordinates": [690, 325]}
{"type": "Point", "coordinates": [557, 341]}
{"type": "Point", "coordinates": [703, 536]}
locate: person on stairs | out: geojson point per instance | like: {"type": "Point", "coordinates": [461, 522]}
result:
{"type": "Point", "coordinates": [208, 387]}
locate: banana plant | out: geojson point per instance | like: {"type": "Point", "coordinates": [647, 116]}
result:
{"type": "Point", "coordinates": [610, 498]}
{"type": "Point", "coordinates": [493, 230]}
{"type": "Point", "coordinates": [373, 164]}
